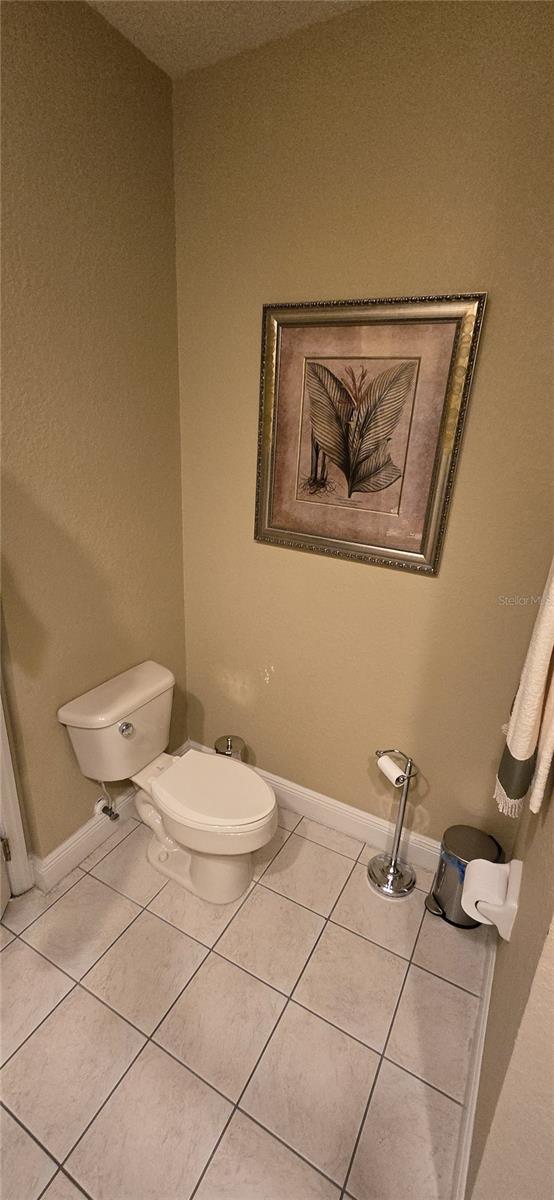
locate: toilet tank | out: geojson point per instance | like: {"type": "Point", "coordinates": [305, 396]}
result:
{"type": "Point", "coordinates": [120, 726]}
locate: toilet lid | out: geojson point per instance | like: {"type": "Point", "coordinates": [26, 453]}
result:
{"type": "Point", "coordinates": [212, 790]}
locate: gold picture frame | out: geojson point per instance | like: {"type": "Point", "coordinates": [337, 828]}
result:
{"type": "Point", "coordinates": [362, 407]}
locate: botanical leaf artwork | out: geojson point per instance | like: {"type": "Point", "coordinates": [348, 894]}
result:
{"type": "Point", "coordinates": [352, 424]}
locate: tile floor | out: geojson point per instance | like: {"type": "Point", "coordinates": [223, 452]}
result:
{"type": "Point", "coordinates": [308, 1042]}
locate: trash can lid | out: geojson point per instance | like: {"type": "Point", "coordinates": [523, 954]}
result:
{"type": "Point", "coordinates": [467, 843]}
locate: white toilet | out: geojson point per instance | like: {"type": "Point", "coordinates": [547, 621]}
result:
{"type": "Point", "coordinates": [208, 812]}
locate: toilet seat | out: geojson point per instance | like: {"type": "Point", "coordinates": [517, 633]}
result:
{"type": "Point", "coordinates": [211, 791]}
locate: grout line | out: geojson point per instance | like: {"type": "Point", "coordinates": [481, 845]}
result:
{"type": "Point", "coordinates": [96, 960]}
{"type": "Point", "coordinates": [312, 842]}
{"type": "Point", "coordinates": [374, 1084]}
{"type": "Point", "coordinates": [371, 941]}
{"type": "Point", "coordinates": [115, 1012]}
{"type": "Point", "coordinates": [33, 1136]}
{"type": "Point", "coordinates": [403, 986]}
{"type": "Point", "coordinates": [362, 1123]}
{"type": "Point", "coordinates": [179, 1061]}
{"type": "Point", "coordinates": [264, 1048]}
{"type": "Point", "coordinates": [178, 928]}
{"type": "Point", "coordinates": [209, 949]}
{"type": "Point", "coordinates": [231, 962]}
{"type": "Point", "coordinates": [237, 1101]}
{"type": "Point", "coordinates": [88, 870]}
{"type": "Point", "coordinates": [291, 1149]}
{"type": "Point", "coordinates": [247, 896]}
{"type": "Point", "coordinates": [420, 1079]}
{"type": "Point", "coordinates": [216, 1147]}
{"type": "Point", "coordinates": [110, 947]}
{"type": "Point", "coordinates": [403, 957]}
{"type": "Point", "coordinates": [177, 998]}
{"type": "Point", "coordinates": [41, 1022]}
{"type": "Point", "coordinates": [435, 974]}
{"type": "Point", "coordinates": [339, 1028]}
{"type": "Point", "coordinates": [291, 810]}
{"type": "Point", "coordinates": [103, 1105]}
{"type": "Point", "coordinates": [298, 902]}
{"type": "Point", "coordinates": [49, 906]}
{"type": "Point", "coordinates": [76, 1185]}
{"type": "Point", "coordinates": [273, 856]}
{"type": "Point", "coordinates": [59, 1172]}
{"type": "Point", "coordinates": [124, 895]}
{"type": "Point", "coordinates": [76, 983]}
{"type": "Point", "coordinates": [325, 847]}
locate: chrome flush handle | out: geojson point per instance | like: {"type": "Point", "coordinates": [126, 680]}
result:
{"type": "Point", "coordinates": [126, 728]}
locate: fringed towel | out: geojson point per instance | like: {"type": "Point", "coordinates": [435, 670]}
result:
{"type": "Point", "coordinates": [527, 758]}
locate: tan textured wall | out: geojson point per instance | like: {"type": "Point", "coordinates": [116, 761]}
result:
{"type": "Point", "coordinates": [398, 150]}
{"type": "Point", "coordinates": [520, 1121]}
{"type": "Point", "coordinates": [519, 1156]}
{"type": "Point", "coordinates": [93, 579]}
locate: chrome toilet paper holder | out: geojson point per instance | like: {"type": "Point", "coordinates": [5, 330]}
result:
{"type": "Point", "coordinates": [386, 873]}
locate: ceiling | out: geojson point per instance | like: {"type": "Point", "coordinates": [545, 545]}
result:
{"type": "Point", "coordinates": [181, 35]}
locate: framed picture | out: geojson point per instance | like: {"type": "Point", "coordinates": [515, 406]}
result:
{"type": "Point", "coordinates": [362, 407]}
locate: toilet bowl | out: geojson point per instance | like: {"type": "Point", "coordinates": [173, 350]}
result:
{"type": "Point", "coordinates": [208, 813]}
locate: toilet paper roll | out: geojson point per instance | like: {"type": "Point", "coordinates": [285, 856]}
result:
{"type": "Point", "coordinates": [391, 770]}
{"type": "Point", "coordinates": [484, 883]}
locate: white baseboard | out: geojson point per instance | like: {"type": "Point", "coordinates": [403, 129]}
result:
{"type": "Point", "coordinates": [55, 866]}
{"type": "Point", "coordinates": [472, 1090]}
{"type": "Point", "coordinates": [422, 851]}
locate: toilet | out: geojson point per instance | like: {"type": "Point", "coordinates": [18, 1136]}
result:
{"type": "Point", "coordinates": [208, 813]}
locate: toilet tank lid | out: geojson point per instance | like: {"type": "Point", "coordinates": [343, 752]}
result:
{"type": "Point", "coordinates": [116, 698]}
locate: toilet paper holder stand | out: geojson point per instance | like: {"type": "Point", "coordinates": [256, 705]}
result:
{"type": "Point", "coordinates": [385, 872]}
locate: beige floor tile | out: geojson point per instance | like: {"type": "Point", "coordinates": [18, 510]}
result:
{"type": "Point", "coordinates": [26, 908]}
{"type": "Point", "coordinates": [120, 830]}
{"type": "Point", "coordinates": [144, 971]}
{"type": "Point", "coordinates": [5, 937]}
{"type": "Point", "coordinates": [31, 988]}
{"type": "Point", "coordinates": [167, 1124]}
{"type": "Point", "coordinates": [329, 837]}
{"type": "Point", "coordinates": [367, 853]}
{"type": "Point", "coordinates": [288, 819]}
{"type": "Point", "coordinates": [26, 1169]}
{"type": "Point", "coordinates": [57, 1081]}
{"type": "Point", "coordinates": [433, 1032]}
{"type": "Point", "coordinates": [352, 983]}
{"type": "Point", "coordinates": [459, 955]}
{"type": "Point", "coordinates": [220, 1024]}
{"type": "Point", "coordinates": [424, 879]}
{"type": "Point", "coordinates": [249, 1164]}
{"type": "Point", "coordinates": [62, 1188]}
{"type": "Point", "coordinates": [127, 868]}
{"type": "Point", "coordinates": [391, 923]}
{"type": "Point", "coordinates": [272, 937]}
{"type": "Point", "coordinates": [266, 854]}
{"type": "Point", "coordinates": [192, 915]}
{"type": "Point", "coordinates": [311, 1087]}
{"type": "Point", "coordinates": [408, 1143]}
{"type": "Point", "coordinates": [81, 926]}
{"type": "Point", "coordinates": [310, 874]}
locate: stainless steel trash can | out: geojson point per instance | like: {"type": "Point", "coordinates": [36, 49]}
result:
{"type": "Point", "coordinates": [459, 846]}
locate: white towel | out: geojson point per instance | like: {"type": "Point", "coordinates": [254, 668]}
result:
{"type": "Point", "coordinates": [525, 764]}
